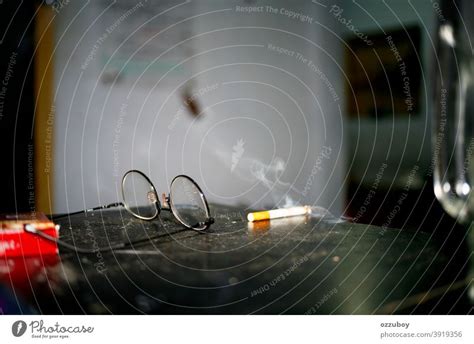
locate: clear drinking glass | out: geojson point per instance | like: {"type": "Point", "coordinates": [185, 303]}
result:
{"type": "Point", "coordinates": [453, 120]}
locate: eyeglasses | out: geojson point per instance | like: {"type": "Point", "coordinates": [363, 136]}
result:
{"type": "Point", "coordinates": [185, 201]}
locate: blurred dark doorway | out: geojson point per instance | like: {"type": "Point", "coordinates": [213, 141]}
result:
{"type": "Point", "coordinates": [16, 105]}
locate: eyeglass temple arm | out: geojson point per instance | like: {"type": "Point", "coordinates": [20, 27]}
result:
{"type": "Point", "coordinates": [32, 230]}
{"type": "Point", "coordinates": [85, 211]}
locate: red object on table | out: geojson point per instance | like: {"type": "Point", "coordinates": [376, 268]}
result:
{"type": "Point", "coordinates": [16, 242]}
{"type": "Point", "coordinates": [29, 275]}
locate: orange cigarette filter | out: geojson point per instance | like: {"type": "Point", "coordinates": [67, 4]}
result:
{"type": "Point", "coordinates": [278, 213]}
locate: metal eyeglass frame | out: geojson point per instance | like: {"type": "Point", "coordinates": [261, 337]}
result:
{"type": "Point", "coordinates": [168, 204]}
{"type": "Point", "coordinates": [167, 200]}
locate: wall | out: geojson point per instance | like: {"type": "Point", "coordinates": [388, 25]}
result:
{"type": "Point", "coordinates": [400, 141]}
{"type": "Point", "coordinates": [270, 132]}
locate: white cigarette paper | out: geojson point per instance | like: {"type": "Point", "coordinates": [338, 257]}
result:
{"type": "Point", "coordinates": [278, 213]}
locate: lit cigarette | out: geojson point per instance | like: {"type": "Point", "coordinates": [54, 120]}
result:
{"type": "Point", "coordinates": [278, 213]}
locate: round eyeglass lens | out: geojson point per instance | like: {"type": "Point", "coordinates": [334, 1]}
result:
{"type": "Point", "coordinates": [139, 195]}
{"type": "Point", "coordinates": [188, 203]}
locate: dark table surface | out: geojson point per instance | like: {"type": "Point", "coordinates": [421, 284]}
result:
{"type": "Point", "coordinates": [298, 265]}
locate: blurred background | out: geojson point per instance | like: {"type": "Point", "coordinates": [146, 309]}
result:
{"type": "Point", "coordinates": [264, 104]}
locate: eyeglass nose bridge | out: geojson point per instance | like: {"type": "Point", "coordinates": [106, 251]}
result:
{"type": "Point", "coordinates": [165, 202]}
